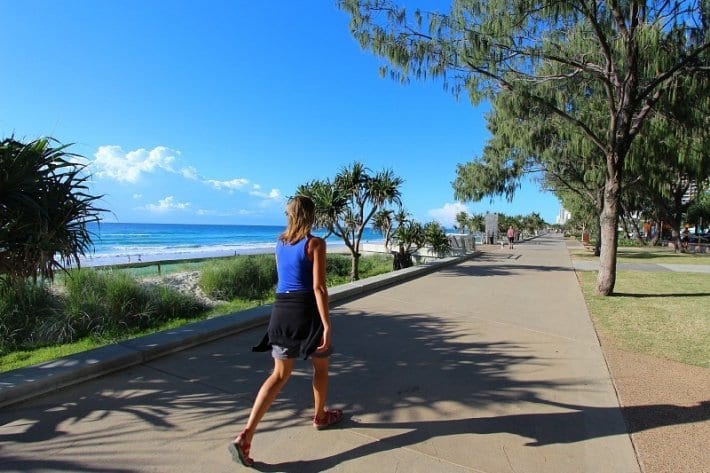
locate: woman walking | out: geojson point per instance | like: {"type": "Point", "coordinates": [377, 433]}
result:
{"type": "Point", "coordinates": [300, 323]}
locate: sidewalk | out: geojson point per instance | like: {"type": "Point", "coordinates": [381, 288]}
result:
{"type": "Point", "coordinates": [491, 365]}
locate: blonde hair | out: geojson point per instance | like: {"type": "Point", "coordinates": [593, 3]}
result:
{"type": "Point", "coordinates": [301, 213]}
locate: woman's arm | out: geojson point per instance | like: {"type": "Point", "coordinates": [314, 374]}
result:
{"type": "Point", "coordinates": [317, 249]}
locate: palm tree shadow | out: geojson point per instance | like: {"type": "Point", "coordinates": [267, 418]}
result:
{"type": "Point", "coordinates": [418, 361]}
{"type": "Point", "coordinates": [579, 424]}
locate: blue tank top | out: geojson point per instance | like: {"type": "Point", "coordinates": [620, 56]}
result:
{"type": "Point", "coordinates": [294, 269]}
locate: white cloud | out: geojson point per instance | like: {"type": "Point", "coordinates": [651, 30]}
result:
{"type": "Point", "coordinates": [446, 215]}
{"type": "Point", "coordinates": [114, 163]}
{"type": "Point", "coordinates": [211, 213]}
{"type": "Point", "coordinates": [232, 185]}
{"type": "Point", "coordinates": [229, 213]}
{"type": "Point", "coordinates": [190, 173]}
{"type": "Point", "coordinates": [167, 204]}
{"type": "Point", "coordinates": [274, 194]}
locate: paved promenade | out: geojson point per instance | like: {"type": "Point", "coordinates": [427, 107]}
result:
{"type": "Point", "coordinates": [491, 365]}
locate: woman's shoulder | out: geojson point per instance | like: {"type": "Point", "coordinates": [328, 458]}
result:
{"type": "Point", "coordinates": [316, 241]}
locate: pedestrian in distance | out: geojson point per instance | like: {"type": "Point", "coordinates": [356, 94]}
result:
{"type": "Point", "coordinates": [299, 326]}
{"type": "Point", "coordinates": [511, 236]}
{"type": "Point", "coordinates": [684, 240]}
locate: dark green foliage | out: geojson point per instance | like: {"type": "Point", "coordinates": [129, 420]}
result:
{"type": "Point", "coordinates": [109, 305]}
{"type": "Point", "coordinates": [23, 307]}
{"type": "Point", "coordinates": [346, 205]}
{"type": "Point", "coordinates": [171, 304]}
{"type": "Point", "coordinates": [247, 277]}
{"type": "Point", "coordinates": [435, 237]}
{"type": "Point", "coordinates": [44, 209]}
{"type": "Point", "coordinates": [699, 212]}
{"type": "Point", "coordinates": [94, 303]}
{"type": "Point", "coordinates": [628, 242]}
{"type": "Point", "coordinates": [602, 77]}
{"type": "Point", "coordinates": [372, 265]}
{"type": "Point", "coordinates": [107, 302]}
{"type": "Point", "coordinates": [338, 265]}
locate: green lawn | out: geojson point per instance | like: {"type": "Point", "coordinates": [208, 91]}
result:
{"type": "Point", "coordinates": [664, 314]}
{"type": "Point", "coordinates": [645, 255]}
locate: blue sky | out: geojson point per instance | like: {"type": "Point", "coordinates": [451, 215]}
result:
{"type": "Point", "coordinates": [215, 111]}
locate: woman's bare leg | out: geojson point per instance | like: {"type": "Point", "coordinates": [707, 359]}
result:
{"type": "Point", "coordinates": [320, 385]}
{"type": "Point", "coordinates": [267, 393]}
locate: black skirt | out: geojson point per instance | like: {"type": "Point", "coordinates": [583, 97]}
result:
{"type": "Point", "coordinates": [295, 323]}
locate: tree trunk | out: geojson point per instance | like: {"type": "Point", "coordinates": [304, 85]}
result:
{"type": "Point", "coordinates": [402, 259]}
{"type": "Point", "coordinates": [609, 221]}
{"type": "Point", "coordinates": [657, 234]}
{"type": "Point", "coordinates": [355, 266]}
{"type": "Point", "coordinates": [599, 206]}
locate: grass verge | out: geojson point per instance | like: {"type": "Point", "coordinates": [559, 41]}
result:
{"type": "Point", "coordinates": [338, 273]}
{"type": "Point", "coordinates": [645, 255]}
{"type": "Point", "coordinates": [664, 314]}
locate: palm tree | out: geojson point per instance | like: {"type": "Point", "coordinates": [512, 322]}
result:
{"type": "Point", "coordinates": [435, 237]}
{"type": "Point", "coordinates": [382, 222]}
{"type": "Point", "coordinates": [346, 206]}
{"type": "Point", "coordinates": [409, 237]}
{"type": "Point", "coordinates": [44, 209]}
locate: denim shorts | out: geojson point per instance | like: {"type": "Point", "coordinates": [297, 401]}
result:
{"type": "Point", "coordinates": [284, 353]}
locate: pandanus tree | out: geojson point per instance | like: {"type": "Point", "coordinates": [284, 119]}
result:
{"type": "Point", "coordinates": [382, 222]}
{"type": "Point", "coordinates": [346, 205]}
{"type": "Point", "coordinates": [409, 236]}
{"type": "Point", "coordinates": [45, 206]}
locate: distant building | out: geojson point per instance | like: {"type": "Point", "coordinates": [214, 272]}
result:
{"type": "Point", "coordinates": [691, 193]}
{"type": "Point", "coordinates": [491, 221]}
{"type": "Point", "coordinates": [563, 216]}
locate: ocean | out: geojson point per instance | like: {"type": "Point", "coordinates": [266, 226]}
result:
{"type": "Point", "coordinates": [118, 243]}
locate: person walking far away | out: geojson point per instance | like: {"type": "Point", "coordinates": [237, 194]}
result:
{"type": "Point", "coordinates": [511, 236]}
{"type": "Point", "coordinates": [300, 323]}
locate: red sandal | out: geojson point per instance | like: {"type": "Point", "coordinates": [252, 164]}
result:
{"type": "Point", "coordinates": [240, 450]}
{"type": "Point", "coordinates": [331, 418]}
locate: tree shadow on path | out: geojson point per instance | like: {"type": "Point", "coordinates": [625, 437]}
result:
{"type": "Point", "coordinates": [384, 363]}
{"type": "Point", "coordinates": [580, 424]}
{"type": "Point", "coordinates": [437, 364]}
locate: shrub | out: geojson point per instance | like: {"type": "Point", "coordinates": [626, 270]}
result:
{"type": "Point", "coordinates": [372, 265]}
{"type": "Point", "coordinates": [629, 242]}
{"type": "Point", "coordinates": [23, 306]}
{"type": "Point", "coordinates": [339, 265]}
{"type": "Point", "coordinates": [247, 277]}
{"type": "Point", "coordinates": [105, 303]}
{"type": "Point", "coordinates": [171, 304]}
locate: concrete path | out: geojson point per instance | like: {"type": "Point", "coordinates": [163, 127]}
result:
{"type": "Point", "coordinates": [491, 365]}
